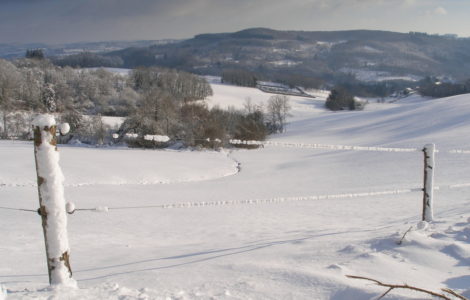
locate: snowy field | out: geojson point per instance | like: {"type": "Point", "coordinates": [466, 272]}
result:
{"type": "Point", "coordinates": [276, 240]}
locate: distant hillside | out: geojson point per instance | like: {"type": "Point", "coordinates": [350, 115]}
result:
{"type": "Point", "coordinates": [369, 55]}
{"type": "Point", "coordinates": [11, 51]}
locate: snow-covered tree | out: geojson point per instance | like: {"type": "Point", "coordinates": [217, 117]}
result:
{"type": "Point", "coordinates": [49, 97]}
{"type": "Point", "coordinates": [277, 112]}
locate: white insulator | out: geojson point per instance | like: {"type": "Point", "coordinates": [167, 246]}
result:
{"type": "Point", "coordinates": [69, 207]}
{"type": "Point", "coordinates": [64, 128]}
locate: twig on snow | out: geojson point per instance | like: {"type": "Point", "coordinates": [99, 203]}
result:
{"type": "Point", "coordinates": [449, 291]}
{"type": "Point", "coordinates": [403, 237]}
{"type": "Point", "coordinates": [409, 287]}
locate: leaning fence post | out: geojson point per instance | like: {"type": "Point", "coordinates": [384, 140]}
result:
{"type": "Point", "coordinates": [51, 201]}
{"type": "Point", "coordinates": [428, 190]}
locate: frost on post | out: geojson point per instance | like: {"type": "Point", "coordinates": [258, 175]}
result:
{"type": "Point", "coordinates": [428, 191]}
{"type": "Point", "coordinates": [51, 200]}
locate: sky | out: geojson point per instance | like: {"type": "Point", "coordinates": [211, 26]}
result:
{"type": "Point", "coordinates": [65, 21]}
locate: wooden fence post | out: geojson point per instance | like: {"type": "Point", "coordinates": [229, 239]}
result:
{"type": "Point", "coordinates": [428, 190]}
{"type": "Point", "coordinates": [51, 201]}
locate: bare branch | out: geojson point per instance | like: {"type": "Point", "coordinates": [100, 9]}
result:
{"type": "Point", "coordinates": [385, 294]}
{"type": "Point", "coordinates": [405, 286]}
{"type": "Point", "coordinates": [449, 291]}
{"type": "Point", "coordinates": [401, 241]}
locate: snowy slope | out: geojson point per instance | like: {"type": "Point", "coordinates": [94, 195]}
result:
{"type": "Point", "coordinates": [275, 241]}
{"type": "Point", "coordinates": [136, 167]}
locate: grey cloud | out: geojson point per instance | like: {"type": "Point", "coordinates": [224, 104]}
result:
{"type": "Point", "coordinates": [68, 20]}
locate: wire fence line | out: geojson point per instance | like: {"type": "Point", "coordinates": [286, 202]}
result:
{"type": "Point", "coordinates": [196, 204]}
{"type": "Point", "coordinates": [453, 186]}
{"type": "Point", "coordinates": [308, 145]}
{"type": "Point", "coordinates": [20, 209]}
{"type": "Point", "coordinates": [271, 200]}
{"type": "Point", "coordinates": [339, 147]}
{"type": "Point", "coordinates": [287, 199]}
{"type": "Point", "coordinates": [322, 146]}
{"type": "Point", "coordinates": [458, 151]}
{"type": "Point", "coordinates": [302, 145]}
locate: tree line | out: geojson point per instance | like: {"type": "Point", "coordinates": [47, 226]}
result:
{"type": "Point", "coordinates": [36, 85]}
{"type": "Point", "coordinates": [433, 87]}
{"type": "Point", "coordinates": [154, 101]}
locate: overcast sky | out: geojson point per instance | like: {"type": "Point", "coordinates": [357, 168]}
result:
{"type": "Point", "coordinates": [58, 21]}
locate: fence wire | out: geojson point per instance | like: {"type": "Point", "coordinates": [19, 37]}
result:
{"type": "Point", "coordinates": [287, 199]}
{"type": "Point", "coordinates": [323, 146]}
{"type": "Point", "coordinates": [458, 151]}
{"type": "Point", "coordinates": [197, 204]}
{"type": "Point", "coordinates": [339, 147]}
{"type": "Point", "coordinates": [18, 209]}
{"type": "Point", "coordinates": [290, 199]}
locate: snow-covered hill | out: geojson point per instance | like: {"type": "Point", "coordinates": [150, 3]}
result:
{"type": "Point", "coordinates": [245, 224]}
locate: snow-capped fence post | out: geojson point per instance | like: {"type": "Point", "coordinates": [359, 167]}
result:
{"type": "Point", "coordinates": [428, 190]}
{"type": "Point", "coordinates": [52, 207]}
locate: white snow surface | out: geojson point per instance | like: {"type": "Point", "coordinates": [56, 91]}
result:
{"type": "Point", "coordinates": [256, 224]}
{"type": "Point", "coordinates": [156, 138]}
{"type": "Point", "coordinates": [118, 71]}
{"type": "Point", "coordinates": [3, 293]}
{"type": "Point", "coordinates": [44, 120]}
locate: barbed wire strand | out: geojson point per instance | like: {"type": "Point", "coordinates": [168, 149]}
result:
{"type": "Point", "coordinates": [259, 201]}
{"type": "Point", "coordinates": [339, 147]}
{"type": "Point", "coordinates": [19, 209]}
{"type": "Point", "coordinates": [458, 151]}
{"type": "Point", "coordinates": [323, 146]}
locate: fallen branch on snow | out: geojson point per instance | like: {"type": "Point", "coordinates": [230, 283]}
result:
{"type": "Point", "coordinates": [405, 286]}
{"type": "Point", "coordinates": [401, 241]}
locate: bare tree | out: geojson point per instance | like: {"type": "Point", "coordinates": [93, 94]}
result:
{"type": "Point", "coordinates": [248, 105]}
{"type": "Point", "coordinates": [277, 112]}
{"type": "Point", "coordinates": [251, 107]}
{"type": "Point", "coordinates": [9, 85]}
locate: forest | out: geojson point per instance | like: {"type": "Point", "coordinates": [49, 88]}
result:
{"type": "Point", "coordinates": [152, 101]}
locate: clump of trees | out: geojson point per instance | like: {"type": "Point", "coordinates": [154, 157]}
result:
{"type": "Point", "coordinates": [88, 60]}
{"type": "Point", "coordinates": [154, 101]}
{"type": "Point", "coordinates": [251, 125]}
{"type": "Point", "coordinates": [359, 88]}
{"type": "Point", "coordinates": [31, 85]}
{"type": "Point", "coordinates": [196, 125]}
{"type": "Point", "coordinates": [39, 86]}
{"type": "Point", "coordinates": [171, 105]}
{"type": "Point", "coordinates": [295, 79]}
{"type": "Point", "coordinates": [342, 99]}
{"type": "Point", "coordinates": [35, 53]}
{"type": "Point", "coordinates": [178, 84]}
{"type": "Point", "coordinates": [86, 129]}
{"type": "Point", "coordinates": [239, 77]}
{"type": "Point", "coordinates": [433, 87]}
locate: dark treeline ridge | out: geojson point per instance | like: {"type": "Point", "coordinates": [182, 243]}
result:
{"type": "Point", "coordinates": [87, 60]}
{"type": "Point", "coordinates": [239, 77]}
{"type": "Point", "coordinates": [300, 58]}
{"type": "Point", "coordinates": [433, 87]}
{"type": "Point", "coordinates": [303, 55]}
